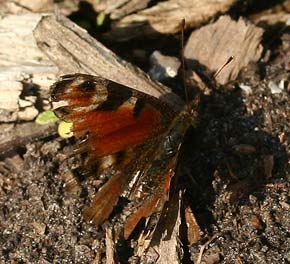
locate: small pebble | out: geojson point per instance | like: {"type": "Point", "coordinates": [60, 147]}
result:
{"type": "Point", "coordinates": [246, 88]}
{"type": "Point", "coordinates": [163, 67]}
{"type": "Point", "coordinates": [275, 89]}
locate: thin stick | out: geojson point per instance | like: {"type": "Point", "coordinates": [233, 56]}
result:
{"type": "Point", "coordinates": [203, 247]}
{"type": "Point", "coordinates": [182, 60]}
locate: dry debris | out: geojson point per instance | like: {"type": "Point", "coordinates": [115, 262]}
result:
{"type": "Point", "coordinates": [165, 18]}
{"type": "Point", "coordinates": [211, 46]}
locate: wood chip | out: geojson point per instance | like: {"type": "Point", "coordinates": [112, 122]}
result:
{"type": "Point", "coordinates": [169, 247]}
{"type": "Point", "coordinates": [212, 45]}
{"type": "Point", "coordinates": [10, 91]}
{"type": "Point", "coordinates": [165, 242]}
{"type": "Point", "coordinates": [271, 19]}
{"type": "Point", "coordinates": [20, 66]}
{"type": "Point", "coordinates": [27, 58]}
{"type": "Point", "coordinates": [110, 246]}
{"type": "Point", "coordinates": [238, 260]}
{"type": "Point", "coordinates": [166, 16]}
{"type": "Point", "coordinates": [17, 7]}
{"type": "Point", "coordinates": [119, 8]}
{"type": "Point", "coordinates": [193, 229]}
{"type": "Point", "coordinates": [21, 134]}
{"type": "Point", "coordinates": [28, 114]}
{"type": "Point", "coordinates": [275, 14]}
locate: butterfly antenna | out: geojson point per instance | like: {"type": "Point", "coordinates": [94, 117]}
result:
{"type": "Point", "coordinates": [183, 61]}
{"type": "Point", "coordinates": [230, 59]}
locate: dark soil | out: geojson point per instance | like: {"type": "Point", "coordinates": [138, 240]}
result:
{"type": "Point", "coordinates": [241, 204]}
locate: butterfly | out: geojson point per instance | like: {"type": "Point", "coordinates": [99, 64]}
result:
{"type": "Point", "coordinates": [130, 137]}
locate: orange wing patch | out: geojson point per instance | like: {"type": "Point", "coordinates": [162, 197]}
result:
{"type": "Point", "coordinates": [111, 132]}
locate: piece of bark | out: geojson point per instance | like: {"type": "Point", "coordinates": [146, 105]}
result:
{"type": "Point", "coordinates": [275, 15]}
{"type": "Point", "coordinates": [166, 17]}
{"type": "Point", "coordinates": [36, 5]}
{"type": "Point", "coordinates": [165, 245]}
{"type": "Point", "coordinates": [28, 113]}
{"type": "Point", "coordinates": [170, 248]}
{"type": "Point", "coordinates": [130, 7]}
{"type": "Point", "coordinates": [107, 6]}
{"type": "Point", "coordinates": [211, 46]}
{"type": "Point", "coordinates": [110, 246]}
{"type": "Point", "coordinates": [26, 59]}
{"type": "Point", "coordinates": [73, 50]}
{"type": "Point", "coordinates": [12, 136]}
{"type": "Point", "coordinates": [193, 229]}
{"type": "Point", "coordinates": [271, 19]}
{"type": "Point", "coordinates": [10, 91]}
{"type": "Point", "coordinates": [120, 8]}
{"type": "Point", "coordinates": [18, 7]}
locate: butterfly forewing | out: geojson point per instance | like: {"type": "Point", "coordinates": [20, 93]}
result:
{"type": "Point", "coordinates": [118, 120]}
{"type": "Point", "coordinates": [115, 116]}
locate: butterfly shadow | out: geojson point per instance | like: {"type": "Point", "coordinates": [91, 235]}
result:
{"type": "Point", "coordinates": [227, 158]}
{"type": "Point", "coordinates": [223, 161]}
